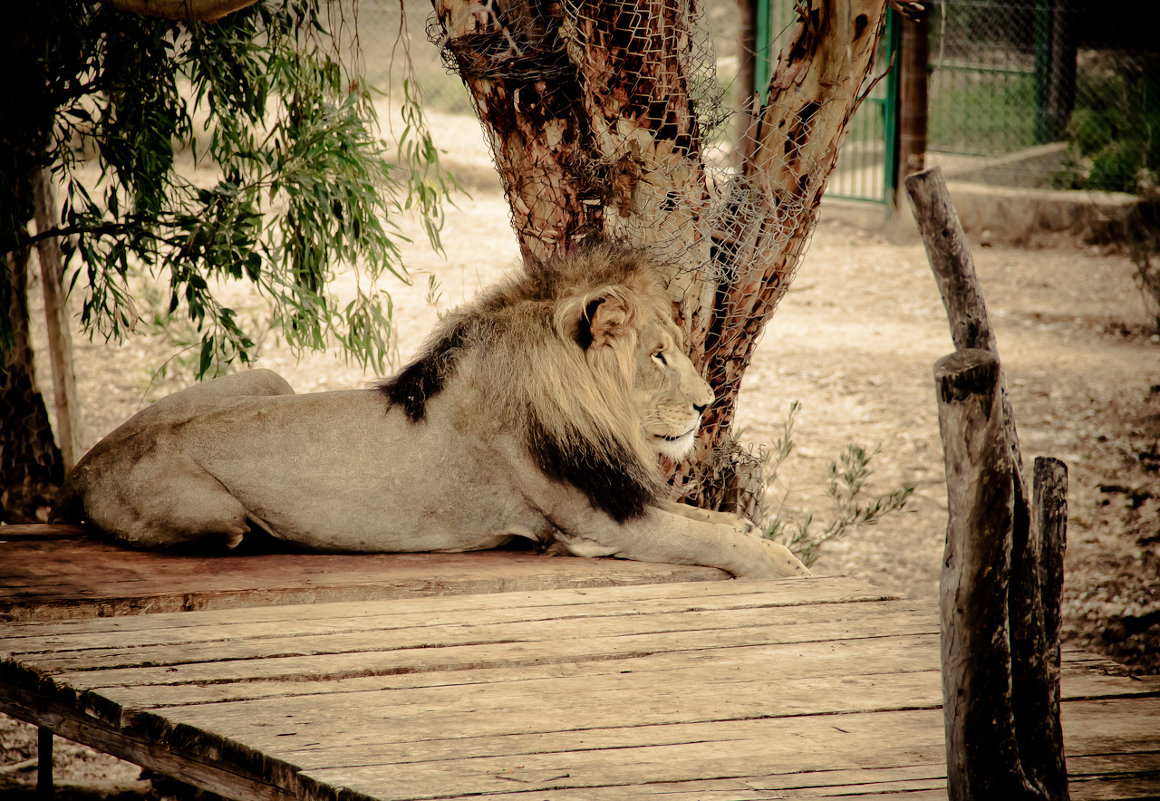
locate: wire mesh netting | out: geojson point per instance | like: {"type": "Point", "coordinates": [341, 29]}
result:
{"type": "Point", "coordinates": [716, 127]}
{"type": "Point", "coordinates": [1064, 76]}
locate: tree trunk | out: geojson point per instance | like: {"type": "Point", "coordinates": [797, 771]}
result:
{"type": "Point", "coordinates": [595, 113]}
{"type": "Point", "coordinates": [746, 81]}
{"type": "Point", "coordinates": [31, 470]}
{"type": "Point", "coordinates": [30, 463]}
{"type": "Point", "coordinates": [912, 98]}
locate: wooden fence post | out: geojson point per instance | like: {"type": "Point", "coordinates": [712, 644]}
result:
{"type": "Point", "coordinates": [978, 709]}
{"type": "Point", "coordinates": [1004, 562]}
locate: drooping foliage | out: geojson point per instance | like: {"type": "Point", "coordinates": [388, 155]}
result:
{"type": "Point", "coordinates": [240, 149]}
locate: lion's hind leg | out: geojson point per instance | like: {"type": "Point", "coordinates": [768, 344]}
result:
{"type": "Point", "coordinates": [167, 506]}
{"type": "Point", "coordinates": [206, 396]}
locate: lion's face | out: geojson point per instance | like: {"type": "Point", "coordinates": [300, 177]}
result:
{"type": "Point", "coordinates": [668, 392]}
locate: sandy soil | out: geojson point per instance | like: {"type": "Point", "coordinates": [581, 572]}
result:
{"type": "Point", "coordinates": [854, 342]}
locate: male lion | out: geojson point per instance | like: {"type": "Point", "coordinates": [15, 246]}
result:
{"type": "Point", "coordinates": [537, 411]}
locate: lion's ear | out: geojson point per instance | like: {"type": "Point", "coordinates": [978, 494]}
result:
{"type": "Point", "coordinates": [602, 320]}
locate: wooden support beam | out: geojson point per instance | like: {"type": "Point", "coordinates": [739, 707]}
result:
{"type": "Point", "coordinates": [45, 787]}
{"type": "Point", "coordinates": [151, 749]}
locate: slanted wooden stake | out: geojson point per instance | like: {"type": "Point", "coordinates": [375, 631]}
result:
{"type": "Point", "coordinates": [1004, 561]}
{"type": "Point", "coordinates": [950, 259]}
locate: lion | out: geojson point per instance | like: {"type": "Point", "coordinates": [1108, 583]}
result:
{"type": "Point", "coordinates": [538, 411]}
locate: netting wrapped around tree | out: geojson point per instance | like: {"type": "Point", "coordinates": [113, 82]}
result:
{"type": "Point", "coordinates": [606, 119]}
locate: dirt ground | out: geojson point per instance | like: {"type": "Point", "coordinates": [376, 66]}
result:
{"type": "Point", "coordinates": [854, 342]}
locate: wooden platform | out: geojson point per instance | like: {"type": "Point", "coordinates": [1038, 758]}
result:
{"type": "Point", "coordinates": [706, 691]}
{"type": "Point", "coordinates": [52, 573]}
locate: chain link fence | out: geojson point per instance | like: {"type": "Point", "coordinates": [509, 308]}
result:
{"type": "Point", "coordinates": [1049, 93]}
{"type": "Point", "coordinates": [1068, 89]}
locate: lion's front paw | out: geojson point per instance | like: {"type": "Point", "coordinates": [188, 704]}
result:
{"type": "Point", "coordinates": [782, 562]}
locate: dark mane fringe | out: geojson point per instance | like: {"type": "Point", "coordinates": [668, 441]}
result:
{"type": "Point", "coordinates": [610, 478]}
{"type": "Point", "coordinates": [425, 377]}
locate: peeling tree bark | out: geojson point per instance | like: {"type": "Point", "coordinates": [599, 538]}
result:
{"type": "Point", "coordinates": [526, 93]}
{"type": "Point", "coordinates": [816, 88]}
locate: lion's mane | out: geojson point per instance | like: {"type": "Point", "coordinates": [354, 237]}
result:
{"type": "Point", "coordinates": [524, 352]}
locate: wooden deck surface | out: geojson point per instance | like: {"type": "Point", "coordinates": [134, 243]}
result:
{"type": "Point", "coordinates": [706, 691]}
{"type": "Point", "coordinates": [62, 574]}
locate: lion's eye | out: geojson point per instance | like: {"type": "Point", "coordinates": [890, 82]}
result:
{"type": "Point", "coordinates": [660, 357]}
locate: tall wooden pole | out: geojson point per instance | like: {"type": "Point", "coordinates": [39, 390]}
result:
{"type": "Point", "coordinates": [912, 97]}
{"type": "Point", "coordinates": [64, 382]}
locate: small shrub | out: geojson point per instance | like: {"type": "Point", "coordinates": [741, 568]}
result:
{"type": "Point", "coordinates": [1115, 132]}
{"type": "Point", "coordinates": [849, 509]}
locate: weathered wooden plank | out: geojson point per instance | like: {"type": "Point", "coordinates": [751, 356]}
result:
{"type": "Point", "coordinates": [427, 733]}
{"type": "Point", "coordinates": [539, 741]}
{"type": "Point", "coordinates": [1115, 788]}
{"type": "Point", "coordinates": [653, 670]}
{"type": "Point", "coordinates": [705, 791]}
{"type": "Point", "coordinates": [762, 624]}
{"type": "Point", "coordinates": [909, 782]}
{"type": "Point", "coordinates": [475, 657]}
{"type": "Point", "coordinates": [788, 745]}
{"type": "Point", "coordinates": [436, 715]}
{"type": "Point", "coordinates": [781, 746]}
{"type": "Point", "coordinates": [695, 791]}
{"type": "Point", "coordinates": [675, 595]}
{"type": "Point", "coordinates": [59, 578]}
{"type": "Point", "coordinates": [677, 614]}
{"type": "Point", "coordinates": [382, 723]}
{"type": "Point", "coordinates": [657, 667]}
{"type": "Point", "coordinates": [549, 718]}
{"type": "Point", "coordinates": [1079, 666]}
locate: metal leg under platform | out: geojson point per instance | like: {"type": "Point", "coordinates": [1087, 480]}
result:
{"type": "Point", "coordinates": [45, 789]}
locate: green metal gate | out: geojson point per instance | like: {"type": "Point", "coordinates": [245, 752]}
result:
{"type": "Point", "coordinates": [868, 162]}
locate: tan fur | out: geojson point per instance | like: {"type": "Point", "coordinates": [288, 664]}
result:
{"type": "Point", "coordinates": [537, 411]}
